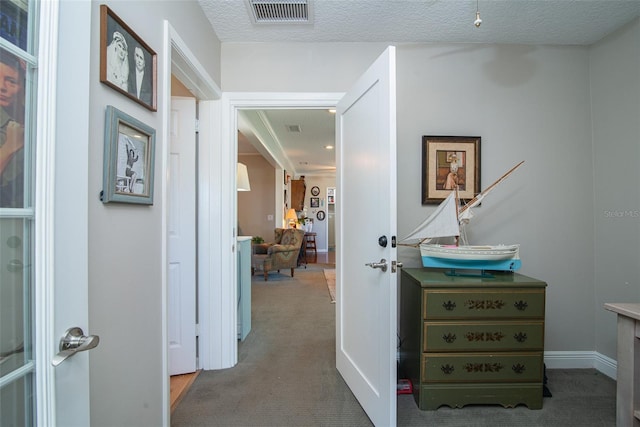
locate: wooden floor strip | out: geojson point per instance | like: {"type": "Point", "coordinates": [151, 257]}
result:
{"type": "Point", "coordinates": [179, 385]}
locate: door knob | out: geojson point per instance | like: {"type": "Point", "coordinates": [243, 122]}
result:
{"type": "Point", "coordinates": [72, 342]}
{"type": "Point", "coordinates": [382, 265]}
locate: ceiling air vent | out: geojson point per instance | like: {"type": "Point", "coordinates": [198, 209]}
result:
{"type": "Point", "coordinates": [280, 11]}
{"type": "Point", "coordinates": [294, 128]}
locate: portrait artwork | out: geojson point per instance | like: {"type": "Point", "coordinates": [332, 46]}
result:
{"type": "Point", "coordinates": [12, 131]}
{"type": "Point", "coordinates": [127, 63]}
{"type": "Point", "coordinates": [450, 163]}
{"type": "Point", "coordinates": [130, 167]}
{"type": "Point", "coordinates": [129, 152]}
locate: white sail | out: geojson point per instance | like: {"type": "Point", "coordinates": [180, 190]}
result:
{"type": "Point", "coordinates": [443, 222]}
{"type": "Point", "coordinates": [465, 215]}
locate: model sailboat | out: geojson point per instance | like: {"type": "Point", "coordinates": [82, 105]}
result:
{"type": "Point", "coordinates": [448, 220]}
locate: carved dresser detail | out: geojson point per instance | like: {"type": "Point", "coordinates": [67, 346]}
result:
{"type": "Point", "coordinates": [472, 340]}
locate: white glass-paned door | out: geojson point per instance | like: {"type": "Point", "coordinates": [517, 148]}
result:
{"type": "Point", "coordinates": [17, 113]}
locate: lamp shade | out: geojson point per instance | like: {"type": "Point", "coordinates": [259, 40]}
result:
{"type": "Point", "coordinates": [291, 215]}
{"type": "Point", "coordinates": [242, 178]}
{"type": "Point", "coordinates": [290, 218]}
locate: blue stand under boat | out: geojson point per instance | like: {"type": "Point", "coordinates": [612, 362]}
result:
{"type": "Point", "coordinates": [453, 264]}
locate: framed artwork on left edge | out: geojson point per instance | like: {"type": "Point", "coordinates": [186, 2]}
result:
{"type": "Point", "coordinates": [129, 156]}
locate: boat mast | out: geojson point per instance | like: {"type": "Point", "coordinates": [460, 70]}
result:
{"type": "Point", "coordinates": [480, 196]}
{"type": "Point", "coordinates": [457, 238]}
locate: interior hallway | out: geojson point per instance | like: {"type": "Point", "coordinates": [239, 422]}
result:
{"type": "Point", "coordinates": [286, 375]}
{"type": "Point", "coordinates": [180, 384]}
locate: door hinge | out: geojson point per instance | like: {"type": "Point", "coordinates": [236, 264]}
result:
{"type": "Point", "coordinates": [197, 329]}
{"type": "Point", "coordinates": [197, 125]}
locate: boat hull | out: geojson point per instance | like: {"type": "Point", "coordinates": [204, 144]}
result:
{"type": "Point", "coordinates": [495, 258]}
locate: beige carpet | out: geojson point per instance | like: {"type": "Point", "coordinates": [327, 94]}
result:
{"type": "Point", "coordinates": [330, 277]}
{"type": "Point", "coordinates": [286, 376]}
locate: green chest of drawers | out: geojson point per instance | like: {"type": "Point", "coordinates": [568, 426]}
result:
{"type": "Point", "coordinates": [469, 340]}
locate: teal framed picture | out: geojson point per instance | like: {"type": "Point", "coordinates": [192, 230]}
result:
{"type": "Point", "coordinates": [129, 159]}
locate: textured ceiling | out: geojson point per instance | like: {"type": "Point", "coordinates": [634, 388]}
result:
{"type": "Point", "coordinates": [558, 22]}
{"type": "Point", "coordinates": [551, 22]}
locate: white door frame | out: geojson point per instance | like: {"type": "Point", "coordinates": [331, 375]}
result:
{"type": "Point", "coordinates": [227, 343]}
{"type": "Point", "coordinates": [217, 182]}
{"type": "Point", "coordinates": [180, 61]}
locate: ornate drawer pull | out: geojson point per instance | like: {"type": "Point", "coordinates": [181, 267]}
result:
{"type": "Point", "coordinates": [484, 336]}
{"type": "Point", "coordinates": [447, 369]}
{"type": "Point", "coordinates": [449, 338]}
{"type": "Point", "coordinates": [521, 305]}
{"type": "Point", "coordinates": [481, 304]}
{"type": "Point", "coordinates": [449, 305]}
{"type": "Point", "coordinates": [483, 367]}
{"type": "Point", "coordinates": [520, 337]}
{"type": "Point", "coordinates": [519, 368]}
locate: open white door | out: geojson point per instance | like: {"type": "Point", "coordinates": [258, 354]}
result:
{"type": "Point", "coordinates": [181, 232]}
{"type": "Point", "coordinates": [366, 211]}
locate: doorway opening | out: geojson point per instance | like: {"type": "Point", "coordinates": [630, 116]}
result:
{"type": "Point", "coordinates": [287, 145]}
{"type": "Point", "coordinates": [182, 244]}
{"type": "Point", "coordinates": [235, 103]}
{"type": "Point", "coordinates": [186, 71]}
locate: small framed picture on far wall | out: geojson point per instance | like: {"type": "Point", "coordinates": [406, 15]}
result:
{"type": "Point", "coordinates": [331, 195]}
{"type": "Point", "coordinates": [315, 202]}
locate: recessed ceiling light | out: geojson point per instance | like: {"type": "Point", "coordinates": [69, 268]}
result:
{"type": "Point", "coordinates": [329, 147]}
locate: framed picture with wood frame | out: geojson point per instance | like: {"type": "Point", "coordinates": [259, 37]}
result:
{"type": "Point", "coordinates": [129, 156]}
{"type": "Point", "coordinates": [450, 163]}
{"type": "Point", "coordinates": [127, 64]}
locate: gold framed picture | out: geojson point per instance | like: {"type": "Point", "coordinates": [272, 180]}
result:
{"type": "Point", "coordinates": [450, 163]}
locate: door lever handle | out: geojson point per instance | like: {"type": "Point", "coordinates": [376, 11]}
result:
{"type": "Point", "coordinates": [382, 265]}
{"type": "Point", "coordinates": [395, 265]}
{"type": "Point", "coordinates": [72, 342]}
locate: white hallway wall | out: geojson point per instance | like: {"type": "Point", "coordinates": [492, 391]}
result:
{"type": "Point", "coordinates": [125, 265]}
{"type": "Point", "coordinates": [529, 103]}
{"type": "Point", "coordinates": [615, 95]}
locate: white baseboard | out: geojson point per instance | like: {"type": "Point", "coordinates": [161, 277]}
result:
{"type": "Point", "coordinates": [581, 360]}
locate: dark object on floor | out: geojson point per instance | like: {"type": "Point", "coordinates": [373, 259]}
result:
{"type": "Point", "coordinates": [545, 390]}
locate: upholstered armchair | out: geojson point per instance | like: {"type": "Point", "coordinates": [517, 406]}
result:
{"type": "Point", "coordinates": [282, 252]}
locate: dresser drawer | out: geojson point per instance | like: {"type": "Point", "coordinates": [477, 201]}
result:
{"type": "Point", "coordinates": [482, 304]}
{"type": "Point", "coordinates": [481, 367]}
{"type": "Point", "coordinates": [482, 336]}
